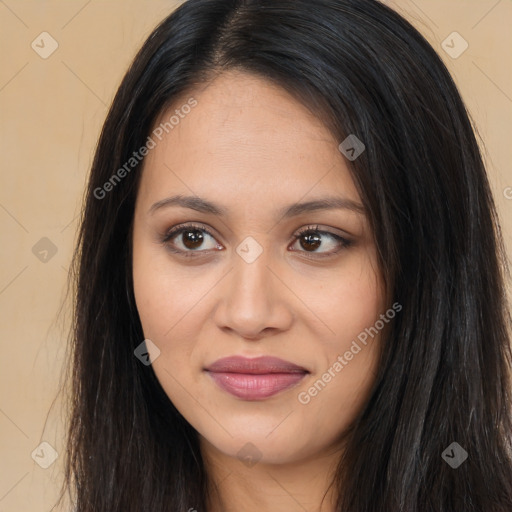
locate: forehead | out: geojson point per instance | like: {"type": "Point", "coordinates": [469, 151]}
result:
{"type": "Point", "coordinates": [244, 138]}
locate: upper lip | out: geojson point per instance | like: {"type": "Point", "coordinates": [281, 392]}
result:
{"type": "Point", "coordinates": [257, 365]}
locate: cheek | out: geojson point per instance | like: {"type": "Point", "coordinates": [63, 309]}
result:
{"type": "Point", "coordinates": [151, 289]}
{"type": "Point", "coordinates": [350, 307]}
{"type": "Point", "coordinates": [168, 310]}
{"type": "Point", "coordinates": [172, 304]}
{"type": "Point", "coordinates": [351, 302]}
{"type": "Point", "coordinates": [349, 359]}
{"type": "Point", "coordinates": [167, 296]}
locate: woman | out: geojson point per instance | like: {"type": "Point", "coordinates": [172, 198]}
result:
{"type": "Point", "coordinates": [290, 286]}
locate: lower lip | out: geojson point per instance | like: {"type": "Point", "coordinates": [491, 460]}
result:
{"type": "Point", "coordinates": [256, 387]}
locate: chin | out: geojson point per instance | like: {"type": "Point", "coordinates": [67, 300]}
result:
{"type": "Point", "coordinates": [252, 445]}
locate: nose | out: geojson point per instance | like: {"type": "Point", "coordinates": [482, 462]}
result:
{"type": "Point", "coordinates": [253, 302]}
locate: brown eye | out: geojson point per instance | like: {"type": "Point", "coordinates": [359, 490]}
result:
{"type": "Point", "coordinates": [312, 240]}
{"type": "Point", "coordinates": [190, 239]}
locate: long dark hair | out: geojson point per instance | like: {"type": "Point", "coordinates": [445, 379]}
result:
{"type": "Point", "coordinates": [444, 373]}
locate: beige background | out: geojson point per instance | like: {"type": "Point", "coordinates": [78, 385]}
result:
{"type": "Point", "coordinates": [51, 114]}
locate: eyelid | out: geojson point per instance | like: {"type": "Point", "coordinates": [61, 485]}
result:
{"type": "Point", "coordinates": [325, 230]}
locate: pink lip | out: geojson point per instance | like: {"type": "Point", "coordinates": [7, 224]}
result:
{"type": "Point", "coordinates": [255, 378]}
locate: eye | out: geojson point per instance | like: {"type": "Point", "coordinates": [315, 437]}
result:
{"type": "Point", "coordinates": [312, 238]}
{"type": "Point", "coordinates": [190, 238]}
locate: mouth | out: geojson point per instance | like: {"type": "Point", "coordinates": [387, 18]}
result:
{"type": "Point", "coordinates": [255, 378]}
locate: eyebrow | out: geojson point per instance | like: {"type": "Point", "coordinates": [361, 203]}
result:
{"type": "Point", "coordinates": [204, 206]}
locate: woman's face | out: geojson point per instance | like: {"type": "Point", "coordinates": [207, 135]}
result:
{"type": "Point", "coordinates": [276, 261]}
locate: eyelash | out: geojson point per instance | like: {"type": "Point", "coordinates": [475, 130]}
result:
{"type": "Point", "coordinates": [178, 230]}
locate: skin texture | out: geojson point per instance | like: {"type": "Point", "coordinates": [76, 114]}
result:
{"type": "Point", "coordinates": [253, 149]}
